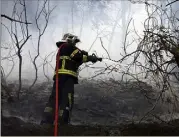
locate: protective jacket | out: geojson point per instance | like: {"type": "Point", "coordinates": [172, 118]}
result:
{"type": "Point", "coordinates": [70, 59]}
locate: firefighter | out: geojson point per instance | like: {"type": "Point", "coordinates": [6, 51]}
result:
{"type": "Point", "coordinates": [71, 58]}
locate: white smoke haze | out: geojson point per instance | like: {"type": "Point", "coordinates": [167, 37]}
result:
{"type": "Point", "coordinates": [85, 19]}
{"type": "Point", "coordinates": [90, 20]}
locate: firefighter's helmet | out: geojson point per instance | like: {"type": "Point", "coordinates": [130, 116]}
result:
{"type": "Point", "coordinates": [70, 38]}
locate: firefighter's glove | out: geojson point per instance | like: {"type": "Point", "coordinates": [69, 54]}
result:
{"type": "Point", "coordinates": [93, 59]}
{"type": "Point", "coordinates": [84, 52]}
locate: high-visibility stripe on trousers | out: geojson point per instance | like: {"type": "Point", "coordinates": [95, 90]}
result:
{"type": "Point", "coordinates": [66, 100]}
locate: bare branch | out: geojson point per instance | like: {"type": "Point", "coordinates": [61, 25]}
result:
{"type": "Point", "coordinates": [46, 14]}
{"type": "Point", "coordinates": [171, 2]}
{"type": "Point", "coordinates": [7, 17]}
{"type": "Point", "coordinates": [104, 48]}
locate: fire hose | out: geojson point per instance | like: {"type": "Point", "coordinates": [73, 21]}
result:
{"type": "Point", "coordinates": [57, 89]}
{"type": "Point", "coordinates": [57, 95]}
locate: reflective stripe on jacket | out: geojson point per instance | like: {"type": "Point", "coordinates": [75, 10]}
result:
{"type": "Point", "coordinates": [70, 60]}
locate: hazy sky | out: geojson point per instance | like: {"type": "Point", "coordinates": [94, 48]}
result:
{"type": "Point", "coordinates": [83, 18]}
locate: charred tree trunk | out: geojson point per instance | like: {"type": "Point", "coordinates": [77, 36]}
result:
{"type": "Point", "coordinates": [20, 74]}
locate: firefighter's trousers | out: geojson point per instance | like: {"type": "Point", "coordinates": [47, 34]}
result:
{"type": "Point", "coordinates": [66, 100]}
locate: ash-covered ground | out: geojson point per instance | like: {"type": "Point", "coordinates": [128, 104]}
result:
{"type": "Point", "coordinates": [109, 104]}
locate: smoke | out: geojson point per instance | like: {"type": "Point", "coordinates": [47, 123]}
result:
{"type": "Point", "coordinates": [88, 19]}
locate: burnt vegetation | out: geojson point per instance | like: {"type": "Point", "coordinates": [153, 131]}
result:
{"type": "Point", "coordinates": [151, 71]}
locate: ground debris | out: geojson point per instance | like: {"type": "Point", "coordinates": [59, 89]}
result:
{"type": "Point", "coordinates": [12, 126]}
